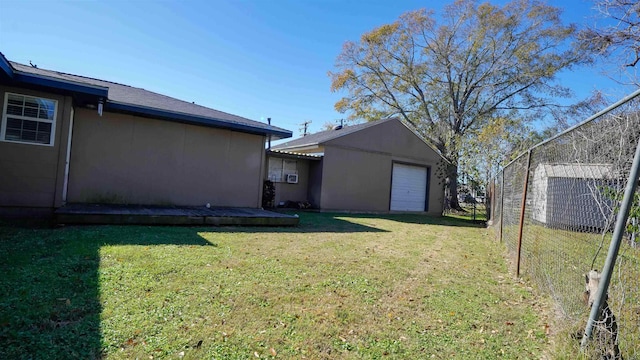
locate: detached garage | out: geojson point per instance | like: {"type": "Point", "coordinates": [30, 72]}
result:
{"type": "Point", "coordinates": [378, 166]}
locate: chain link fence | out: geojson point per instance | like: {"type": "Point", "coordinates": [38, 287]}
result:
{"type": "Point", "coordinates": [555, 207]}
{"type": "Point", "coordinates": [472, 198]}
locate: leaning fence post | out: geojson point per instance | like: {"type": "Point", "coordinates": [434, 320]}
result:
{"type": "Point", "coordinates": [522, 208]}
{"type": "Point", "coordinates": [614, 247]}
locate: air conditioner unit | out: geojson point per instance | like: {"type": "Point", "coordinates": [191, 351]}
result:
{"type": "Point", "coordinates": [292, 178]}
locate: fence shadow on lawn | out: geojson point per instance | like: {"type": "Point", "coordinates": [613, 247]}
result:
{"type": "Point", "coordinates": [49, 285]}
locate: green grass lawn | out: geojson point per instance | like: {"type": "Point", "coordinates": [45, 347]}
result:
{"type": "Point", "coordinates": [338, 286]}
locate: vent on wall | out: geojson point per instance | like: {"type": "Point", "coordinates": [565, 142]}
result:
{"type": "Point", "coordinates": [292, 178]}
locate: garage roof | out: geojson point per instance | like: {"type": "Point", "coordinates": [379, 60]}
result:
{"type": "Point", "coordinates": [324, 136]}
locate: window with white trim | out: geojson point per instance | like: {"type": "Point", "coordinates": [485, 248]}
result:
{"type": "Point", "coordinates": [28, 119]}
{"type": "Point", "coordinates": [280, 168]}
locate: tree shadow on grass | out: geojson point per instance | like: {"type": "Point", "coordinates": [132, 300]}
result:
{"type": "Point", "coordinates": [314, 222]}
{"type": "Point", "coordinates": [334, 222]}
{"type": "Point", "coordinates": [49, 285]}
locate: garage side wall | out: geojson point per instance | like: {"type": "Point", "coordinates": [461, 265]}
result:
{"type": "Point", "coordinates": [121, 158]}
{"type": "Point", "coordinates": [367, 157]}
{"type": "Point", "coordinates": [355, 180]}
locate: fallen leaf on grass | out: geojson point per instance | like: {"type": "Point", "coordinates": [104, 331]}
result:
{"type": "Point", "coordinates": [273, 352]}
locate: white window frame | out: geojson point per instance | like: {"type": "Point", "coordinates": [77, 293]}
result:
{"type": "Point", "coordinates": [3, 128]}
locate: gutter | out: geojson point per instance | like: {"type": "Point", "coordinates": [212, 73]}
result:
{"type": "Point", "coordinates": [195, 119]}
{"type": "Point", "coordinates": [45, 81]}
{"type": "Point", "coordinates": [6, 67]}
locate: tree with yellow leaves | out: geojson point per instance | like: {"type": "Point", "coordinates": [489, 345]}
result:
{"type": "Point", "coordinates": [449, 76]}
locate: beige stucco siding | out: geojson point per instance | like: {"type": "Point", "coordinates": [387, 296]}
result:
{"type": "Point", "coordinates": [390, 137]}
{"type": "Point", "coordinates": [355, 180]}
{"type": "Point", "coordinates": [127, 159]}
{"type": "Point", "coordinates": [32, 175]}
{"type": "Point", "coordinates": [358, 166]}
{"type": "Point", "coordinates": [315, 183]}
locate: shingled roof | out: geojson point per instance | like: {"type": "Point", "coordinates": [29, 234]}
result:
{"type": "Point", "coordinates": [128, 99]}
{"type": "Point", "coordinates": [324, 136]}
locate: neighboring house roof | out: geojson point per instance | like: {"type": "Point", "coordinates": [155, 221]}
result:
{"type": "Point", "coordinates": [324, 136]}
{"type": "Point", "coordinates": [137, 101]}
{"type": "Point", "coordinates": [292, 154]}
{"type": "Point", "coordinates": [575, 171]}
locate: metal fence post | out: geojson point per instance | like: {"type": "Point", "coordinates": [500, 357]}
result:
{"type": "Point", "coordinates": [522, 208]}
{"type": "Point", "coordinates": [614, 247]}
{"type": "Point", "coordinates": [490, 202]}
{"type": "Point", "coordinates": [501, 204]}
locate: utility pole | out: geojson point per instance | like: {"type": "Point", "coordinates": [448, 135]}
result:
{"type": "Point", "coordinates": [269, 122]}
{"type": "Point", "coordinates": [304, 127]}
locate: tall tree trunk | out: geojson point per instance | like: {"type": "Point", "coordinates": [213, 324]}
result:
{"type": "Point", "coordinates": [453, 187]}
{"type": "Point", "coordinates": [453, 157]}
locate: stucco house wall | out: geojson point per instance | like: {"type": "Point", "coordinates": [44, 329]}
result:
{"type": "Point", "coordinates": [32, 175]}
{"type": "Point", "coordinates": [315, 182]}
{"type": "Point", "coordinates": [120, 158]}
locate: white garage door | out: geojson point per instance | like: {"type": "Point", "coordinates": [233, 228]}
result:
{"type": "Point", "coordinates": [408, 188]}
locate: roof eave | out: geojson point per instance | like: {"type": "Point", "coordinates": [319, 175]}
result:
{"type": "Point", "coordinates": [292, 155]}
{"type": "Point", "coordinates": [39, 80]}
{"type": "Point", "coordinates": [6, 67]}
{"type": "Point", "coordinates": [303, 147]}
{"type": "Point", "coordinates": [194, 119]}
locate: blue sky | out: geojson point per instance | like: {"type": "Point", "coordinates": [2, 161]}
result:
{"type": "Point", "coordinates": [257, 59]}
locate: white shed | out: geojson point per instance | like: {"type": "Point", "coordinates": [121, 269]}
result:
{"type": "Point", "coordinates": [571, 195]}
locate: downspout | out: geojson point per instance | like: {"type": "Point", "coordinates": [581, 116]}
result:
{"type": "Point", "coordinates": [65, 184]}
{"type": "Point", "coordinates": [261, 177]}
